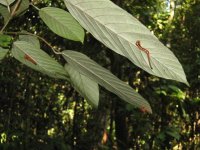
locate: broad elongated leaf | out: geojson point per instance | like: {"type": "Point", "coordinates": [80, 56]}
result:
{"type": "Point", "coordinates": [6, 2]}
{"type": "Point", "coordinates": [125, 35]}
{"type": "Point", "coordinates": [174, 133]}
{"type": "Point", "coordinates": [84, 85]}
{"type": "Point", "coordinates": [30, 39]}
{"type": "Point", "coordinates": [91, 69]}
{"type": "Point", "coordinates": [3, 53]}
{"type": "Point", "coordinates": [24, 5]}
{"type": "Point", "coordinates": [62, 23]}
{"type": "Point", "coordinates": [5, 40]}
{"type": "Point", "coordinates": [4, 12]}
{"type": "Point", "coordinates": [37, 59]}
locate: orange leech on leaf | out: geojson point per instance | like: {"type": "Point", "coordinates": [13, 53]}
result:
{"type": "Point", "coordinates": [27, 57]}
{"type": "Point", "coordinates": [144, 50]}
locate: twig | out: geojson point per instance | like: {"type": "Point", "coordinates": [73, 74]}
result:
{"type": "Point", "coordinates": [40, 38]}
{"type": "Point", "coordinates": [34, 6]}
{"type": "Point", "coordinates": [8, 8]}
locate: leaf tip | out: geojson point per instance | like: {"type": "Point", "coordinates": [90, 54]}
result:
{"type": "Point", "coordinates": [187, 83]}
{"type": "Point", "coordinates": [82, 42]}
{"type": "Point", "coordinates": [145, 110]}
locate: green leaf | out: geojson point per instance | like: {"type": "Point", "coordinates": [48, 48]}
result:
{"type": "Point", "coordinates": [4, 12]}
{"type": "Point", "coordinates": [6, 2]}
{"type": "Point", "coordinates": [177, 92]}
{"type": "Point", "coordinates": [24, 5]}
{"type": "Point", "coordinates": [3, 53]}
{"type": "Point", "coordinates": [121, 32]}
{"type": "Point", "coordinates": [62, 23]}
{"type": "Point", "coordinates": [174, 134]}
{"type": "Point", "coordinates": [91, 69]}
{"type": "Point", "coordinates": [161, 136]}
{"type": "Point", "coordinates": [37, 59]}
{"type": "Point", "coordinates": [5, 40]}
{"type": "Point", "coordinates": [84, 85]}
{"type": "Point", "coordinates": [30, 39]}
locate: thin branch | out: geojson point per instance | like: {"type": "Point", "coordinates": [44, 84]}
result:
{"type": "Point", "coordinates": [39, 37]}
{"type": "Point", "coordinates": [34, 6]}
{"type": "Point", "coordinates": [8, 8]}
{"type": "Point", "coordinates": [11, 15]}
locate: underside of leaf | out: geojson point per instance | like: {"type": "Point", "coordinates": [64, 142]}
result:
{"type": "Point", "coordinates": [38, 60]}
{"type": "Point", "coordinates": [105, 78]}
{"type": "Point", "coordinates": [84, 85]}
{"type": "Point", "coordinates": [62, 23]}
{"type": "Point", "coordinates": [6, 2]}
{"type": "Point", "coordinates": [120, 31]}
{"type": "Point", "coordinates": [3, 53]}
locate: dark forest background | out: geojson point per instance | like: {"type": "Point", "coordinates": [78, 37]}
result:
{"type": "Point", "coordinates": [40, 113]}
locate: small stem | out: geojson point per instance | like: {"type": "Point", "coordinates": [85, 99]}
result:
{"type": "Point", "coordinates": [35, 6]}
{"type": "Point", "coordinates": [39, 37]}
{"type": "Point", "coordinates": [11, 15]}
{"type": "Point", "coordinates": [8, 8]}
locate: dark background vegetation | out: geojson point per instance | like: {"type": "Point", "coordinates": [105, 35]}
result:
{"type": "Point", "coordinates": [41, 113]}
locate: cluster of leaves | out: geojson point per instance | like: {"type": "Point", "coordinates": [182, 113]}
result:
{"type": "Point", "coordinates": [114, 33]}
{"type": "Point", "coordinates": [84, 74]}
{"type": "Point", "coordinates": [63, 24]}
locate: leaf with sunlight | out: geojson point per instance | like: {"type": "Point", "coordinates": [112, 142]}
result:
{"type": "Point", "coordinates": [91, 69]}
{"type": "Point", "coordinates": [37, 59]}
{"type": "Point", "coordinates": [88, 88]}
{"type": "Point", "coordinates": [62, 23]}
{"type": "Point", "coordinates": [5, 40]}
{"type": "Point", "coordinates": [3, 53]}
{"type": "Point", "coordinates": [125, 35]}
{"type": "Point", "coordinates": [4, 12]}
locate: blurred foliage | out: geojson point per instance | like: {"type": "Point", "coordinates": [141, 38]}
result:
{"type": "Point", "coordinates": [38, 112]}
{"type": "Point", "coordinates": [5, 40]}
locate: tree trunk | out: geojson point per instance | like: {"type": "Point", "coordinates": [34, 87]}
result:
{"type": "Point", "coordinates": [121, 126]}
{"type": "Point", "coordinates": [96, 126]}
